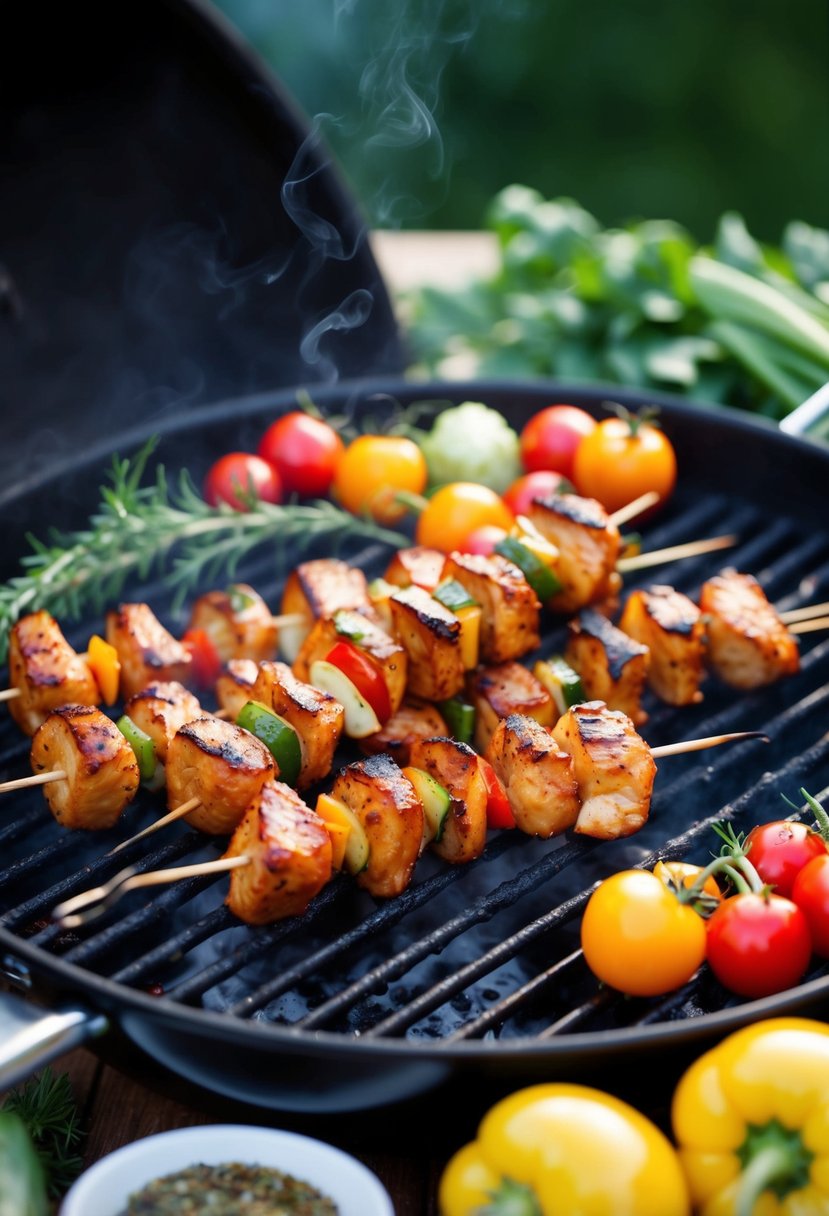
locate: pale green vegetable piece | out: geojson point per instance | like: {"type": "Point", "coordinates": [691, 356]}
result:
{"type": "Point", "coordinates": [22, 1185]}
{"type": "Point", "coordinates": [471, 442]}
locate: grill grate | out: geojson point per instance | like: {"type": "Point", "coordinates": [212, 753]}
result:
{"type": "Point", "coordinates": [483, 952]}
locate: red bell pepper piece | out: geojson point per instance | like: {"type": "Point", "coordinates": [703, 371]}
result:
{"type": "Point", "coordinates": [207, 665]}
{"type": "Point", "coordinates": [365, 675]}
{"type": "Point", "coordinates": [498, 810]}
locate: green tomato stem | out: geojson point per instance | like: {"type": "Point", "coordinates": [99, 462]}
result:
{"type": "Point", "coordinates": [821, 816]}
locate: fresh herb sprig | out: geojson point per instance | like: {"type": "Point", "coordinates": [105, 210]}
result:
{"type": "Point", "coordinates": [41, 1118]}
{"type": "Point", "coordinates": [144, 527]}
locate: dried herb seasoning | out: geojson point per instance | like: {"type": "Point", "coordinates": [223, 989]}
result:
{"type": "Point", "coordinates": [229, 1189]}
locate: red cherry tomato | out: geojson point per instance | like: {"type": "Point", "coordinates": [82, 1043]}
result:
{"type": "Point", "coordinates": [304, 451]}
{"type": "Point", "coordinates": [483, 540]}
{"type": "Point", "coordinates": [758, 944]}
{"type": "Point", "coordinates": [811, 894]}
{"type": "Point", "coordinates": [365, 675]}
{"type": "Point", "coordinates": [240, 476]}
{"type": "Point", "coordinates": [498, 810]}
{"type": "Point", "coordinates": [543, 483]}
{"type": "Point", "coordinates": [550, 438]}
{"type": "Point", "coordinates": [206, 663]}
{"type": "Point", "coordinates": [779, 851]}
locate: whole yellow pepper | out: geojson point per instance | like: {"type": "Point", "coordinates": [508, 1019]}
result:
{"type": "Point", "coordinates": [561, 1150]}
{"type": "Point", "coordinates": [751, 1118]}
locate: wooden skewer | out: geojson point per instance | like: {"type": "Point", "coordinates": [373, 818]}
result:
{"type": "Point", "coordinates": [8, 694]}
{"type": "Point", "coordinates": [93, 903]}
{"type": "Point", "coordinates": [177, 813]}
{"type": "Point", "coordinates": [640, 504]}
{"type": "Point", "coordinates": [806, 613]}
{"type": "Point", "coordinates": [657, 556]}
{"type": "Point", "coordinates": [55, 774]}
{"type": "Point", "coordinates": [821, 622]}
{"type": "Point", "coordinates": [289, 618]}
{"type": "Point", "coordinates": [697, 745]}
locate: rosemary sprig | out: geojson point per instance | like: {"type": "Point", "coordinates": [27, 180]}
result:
{"type": "Point", "coordinates": [141, 528]}
{"type": "Point", "coordinates": [47, 1110]}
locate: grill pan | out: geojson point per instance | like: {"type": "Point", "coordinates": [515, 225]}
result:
{"type": "Point", "coordinates": [472, 976]}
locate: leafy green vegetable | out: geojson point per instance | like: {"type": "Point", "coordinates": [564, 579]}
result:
{"type": "Point", "coordinates": [471, 442]}
{"type": "Point", "coordinates": [45, 1109]}
{"type": "Point", "coordinates": [735, 323]}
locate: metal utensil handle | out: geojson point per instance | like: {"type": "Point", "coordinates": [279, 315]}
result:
{"type": "Point", "coordinates": [811, 411]}
{"type": "Point", "coordinates": [31, 1036]}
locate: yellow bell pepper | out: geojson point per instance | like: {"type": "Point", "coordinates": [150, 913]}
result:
{"type": "Point", "coordinates": [751, 1119]}
{"type": "Point", "coordinates": [105, 665]}
{"type": "Point", "coordinates": [560, 1149]}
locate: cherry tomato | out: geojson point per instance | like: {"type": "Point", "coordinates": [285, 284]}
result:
{"type": "Point", "coordinates": [550, 439]}
{"type": "Point", "coordinates": [622, 459]}
{"type": "Point", "coordinates": [365, 675]}
{"type": "Point", "coordinates": [683, 874]}
{"type": "Point", "coordinates": [543, 483]}
{"type": "Point", "coordinates": [238, 476]}
{"type": "Point", "coordinates": [372, 469]}
{"type": "Point", "coordinates": [304, 451]}
{"type": "Point", "coordinates": [498, 810]}
{"type": "Point", "coordinates": [483, 540]}
{"type": "Point", "coordinates": [758, 943]}
{"type": "Point", "coordinates": [779, 851]}
{"type": "Point", "coordinates": [811, 894]}
{"type": "Point", "coordinates": [457, 509]}
{"type": "Point", "coordinates": [638, 937]}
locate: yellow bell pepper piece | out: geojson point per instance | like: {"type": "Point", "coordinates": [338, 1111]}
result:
{"type": "Point", "coordinates": [105, 666]}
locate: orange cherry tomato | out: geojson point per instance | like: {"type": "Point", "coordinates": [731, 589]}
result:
{"type": "Point", "coordinates": [622, 459]}
{"type": "Point", "coordinates": [372, 469]}
{"type": "Point", "coordinates": [684, 874]}
{"type": "Point", "coordinates": [457, 509]}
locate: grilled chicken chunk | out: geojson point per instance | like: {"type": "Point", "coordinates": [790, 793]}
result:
{"type": "Point", "coordinates": [101, 770]}
{"type": "Point", "coordinates": [455, 766]}
{"type": "Point", "coordinates": [385, 803]}
{"type": "Point", "coordinates": [146, 650]}
{"type": "Point", "coordinates": [504, 689]}
{"type": "Point", "coordinates": [289, 857]}
{"type": "Point", "coordinates": [509, 606]}
{"type": "Point", "coordinates": [414, 720]}
{"type": "Point", "coordinates": [46, 671]}
{"type": "Point", "coordinates": [222, 766]}
{"type": "Point", "coordinates": [316, 716]}
{"type": "Point", "coordinates": [671, 626]}
{"type": "Point", "coordinates": [386, 652]}
{"type": "Point", "coordinates": [160, 709]}
{"type": "Point", "coordinates": [418, 566]}
{"type": "Point", "coordinates": [748, 644]}
{"type": "Point", "coordinates": [588, 544]}
{"type": "Point", "coordinates": [612, 665]}
{"type": "Point", "coordinates": [238, 622]}
{"type": "Point", "coordinates": [431, 636]}
{"type": "Point", "coordinates": [613, 767]}
{"type": "Point", "coordinates": [536, 774]}
{"type": "Point", "coordinates": [315, 591]}
{"type": "Point", "coordinates": [234, 687]}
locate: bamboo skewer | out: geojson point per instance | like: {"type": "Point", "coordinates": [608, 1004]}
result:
{"type": "Point", "coordinates": [698, 745]}
{"type": "Point", "coordinates": [629, 512]}
{"type": "Point", "coordinates": [795, 615]}
{"type": "Point", "coordinates": [656, 557]}
{"type": "Point", "coordinates": [177, 813]}
{"type": "Point", "coordinates": [19, 783]}
{"type": "Point", "coordinates": [809, 626]}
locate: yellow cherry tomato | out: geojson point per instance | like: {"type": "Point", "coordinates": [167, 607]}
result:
{"type": "Point", "coordinates": [638, 937]}
{"type": "Point", "coordinates": [751, 1119]}
{"type": "Point", "coordinates": [622, 459]}
{"type": "Point", "coordinates": [456, 510]}
{"type": "Point", "coordinates": [560, 1149]}
{"type": "Point", "coordinates": [371, 471]}
{"type": "Point", "coordinates": [684, 874]}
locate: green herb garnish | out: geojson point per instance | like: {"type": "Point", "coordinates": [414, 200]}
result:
{"type": "Point", "coordinates": [39, 1138]}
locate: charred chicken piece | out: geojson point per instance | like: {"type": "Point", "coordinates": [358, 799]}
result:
{"type": "Point", "coordinates": [415, 719]}
{"type": "Point", "coordinates": [431, 636]}
{"type": "Point", "coordinates": [417, 566]}
{"type": "Point", "coordinates": [455, 766]}
{"type": "Point", "coordinates": [510, 609]}
{"type": "Point", "coordinates": [613, 767]}
{"type": "Point", "coordinates": [316, 716]}
{"type": "Point", "coordinates": [221, 765]}
{"type": "Point", "coordinates": [315, 591]}
{"type": "Point", "coordinates": [160, 709]}
{"type": "Point", "coordinates": [612, 665]}
{"type": "Point", "coordinates": [238, 622]}
{"type": "Point", "coordinates": [234, 687]}
{"type": "Point", "coordinates": [504, 689]}
{"type": "Point", "coordinates": [147, 651]}
{"type": "Point", "coordinates": [391, 814]}
{"type": "Point", "coordinates": [289, 857]}
{"type": "Point", "coordinates": [588, 543]}
{"type": "Point", "coordinates": [748, 644]}
{"type": "Point", "coordinates": [385, 651]}
{"type": "Point", "coordinates": [46, 671]}
{"type": "Point", "coordinates": [101, 770]}
{"type": "Point", "coordinates": [537, 776]}
{"type": "Point", "coordinates": [671, 626]}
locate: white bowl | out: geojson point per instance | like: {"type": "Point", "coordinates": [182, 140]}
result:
{"type": "Point", "coordinates": [103, 1190]}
